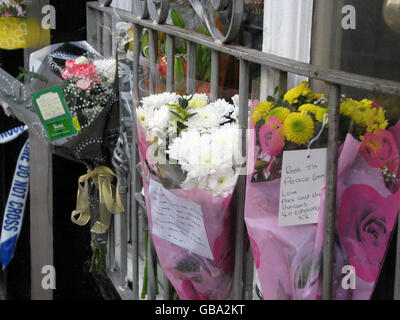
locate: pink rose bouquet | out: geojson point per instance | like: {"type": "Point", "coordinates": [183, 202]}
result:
{"type": "Point", "coordinates": [288, 259]}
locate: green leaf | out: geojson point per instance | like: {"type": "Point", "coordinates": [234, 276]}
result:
{"type": "Point", "coordinates": [177, 19]}
{"type": "Point", "coordinates": [177, 115]}
{"type": "Point", "coordinates": [276, 90]}
{"type": "Point", "coordinates": [181, 126]}
{"type": "Point", "coordinates": [191, 115]}
{"type": "Point", "coordinates": [271, 99]}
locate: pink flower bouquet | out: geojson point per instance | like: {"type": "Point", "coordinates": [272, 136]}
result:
{"type": "Point", "coordinates": [187, 147]}
{"type": "Point", "coordinates": [288, 257]}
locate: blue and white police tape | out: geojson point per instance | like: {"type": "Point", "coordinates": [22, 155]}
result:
{"type": "Point", "coordinates": [15, 206]}
{"type": "Point", "coordinates": [12, 134]}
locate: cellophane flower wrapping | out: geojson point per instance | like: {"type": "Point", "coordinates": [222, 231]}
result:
{"type": "Point", "coordinates": [89, 85]}
{"type": "Point", "coordinates": [189, 171]}
{"type": "Point", "coordinates": [289, 259]}
{"type": "Point", "coordinates": [88, 82]}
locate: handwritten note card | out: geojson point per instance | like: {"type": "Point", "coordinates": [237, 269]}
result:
{"type": "Point", "coordinates": [301, 184]}
{"type": "Point", "coordinates": [178, 220]}
{"type": "Point", "coordinates": [50, 105]}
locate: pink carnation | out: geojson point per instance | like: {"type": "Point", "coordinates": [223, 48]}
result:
{"type": "Point", "coordinates": [86, 74]}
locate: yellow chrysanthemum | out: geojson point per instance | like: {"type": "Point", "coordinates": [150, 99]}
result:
{"type": "Point", "coordinates": [375, 120]}
{"type": "Point", "coordinates": [347, 107]}
{"type": "Point", "coordinates": [317, 111]}
{"type": "Point", "coordinates": [197, 103]}
{"type": "Point", "coordinates": [293, 95]}
{"type": "Point", "coordinates": [299, 128]}
{"type": "Point", "coordinates": [320, 115]}
{"type": "Point", "coordinates": [280, 112]}
{"type": "Point", "coordinates": [312, 108]}
{"type": "Point", "coordinates": [261, 111]}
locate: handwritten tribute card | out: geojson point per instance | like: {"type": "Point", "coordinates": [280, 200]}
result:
{"type": "Point", "coordinates": [301, 184]}
{"type": "Point", "coordinates": [178, 220]}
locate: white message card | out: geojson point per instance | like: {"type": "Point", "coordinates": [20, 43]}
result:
{"type": "Point", "coordinates": [301, 184]}
{"type": "Point", "coordinates": [178, 220]}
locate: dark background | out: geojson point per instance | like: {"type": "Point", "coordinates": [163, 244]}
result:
{"type": "Point", "coordinates": [71, 243]}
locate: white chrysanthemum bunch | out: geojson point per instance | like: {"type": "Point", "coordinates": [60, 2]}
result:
{"type": "Point", "coordinates": [208, 158]}
{"type": "Point", "coordinates": [207, 140]}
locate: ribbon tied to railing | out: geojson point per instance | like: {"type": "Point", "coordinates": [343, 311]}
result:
{"type": "Point", "coordinates": [109, 196]}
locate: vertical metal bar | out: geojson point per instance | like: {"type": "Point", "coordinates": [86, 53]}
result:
{"type": "Point", "coordinates": [134, 172]}
{"type": "Point", "coordinates": [170, 62]}
{"type": "Point", "coordinates": [330, 198]}
{"type": "Point", "coordinates": [41, 217]}
{"type": "Point", "coordinates": [214, 75]}
{"type": "Point", "coordinates": [91, 28]}
{"type": "Point", "coordinates": [397, 268]}
{"type": "Point", "coordinates": [282, 82]}
{"type": "Point", "coordinates": [99, 36]}
{"type": "Point", "coordinates": [107, 35]}
{"type": "Point", "coordinates": [153, 49]}
{"type": "Point", "coordinates": [241, 186]}
{"type": "Point", "coordinates": [124, 238]}
{"type": "Point", "coordinates": [151, 285]}
{"type": "Point", "coordinates": [191, 68]}
{"type": "Point", "coordinates": [41, 173]}
{"type": "Point", "coordinates": [136, 53]}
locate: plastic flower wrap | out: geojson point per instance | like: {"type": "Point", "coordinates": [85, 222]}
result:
{"type": "Point", "coordinates": [88, 85]}
{"type": "Point", "coordinates": [188, 149]}
{"type": "Point", "coordinates": [289, 257]}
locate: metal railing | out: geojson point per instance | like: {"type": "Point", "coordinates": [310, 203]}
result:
{"type": "Point", "coordinates": [101, 21]}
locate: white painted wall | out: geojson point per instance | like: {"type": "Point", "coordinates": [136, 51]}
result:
{"type": "Point", "coordinates": [287, 33]}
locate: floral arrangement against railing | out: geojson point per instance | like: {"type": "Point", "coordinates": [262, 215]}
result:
{"type": "Point", "coordinates": [188, 149]}
{"type": "Point", "coordinates": [286, 192]}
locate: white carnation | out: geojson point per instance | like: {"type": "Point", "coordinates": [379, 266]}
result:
{"type": "Point", "coordinates": [157, 100]}
{"type": "Point", "coordinates": [206, 118]}
{"type": "Point", "coordinates": [223, 182]}
{"type": "Point", "coordinates": [106, 68]}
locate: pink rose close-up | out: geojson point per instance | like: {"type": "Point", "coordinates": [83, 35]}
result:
{"type": "Point", "coordinates": [365, 222]}
{"type": "Point", "coordinates": [271, 136]}
{"type": "Point", "coordinates": [86, 74]}
{"type": "Point", "coordinates": [380, 149]}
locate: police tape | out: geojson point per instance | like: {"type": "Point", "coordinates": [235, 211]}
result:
{"type": "Point", "coordinates": [15, 207]}
{"type": "Point", "coordinates": [12, 134]}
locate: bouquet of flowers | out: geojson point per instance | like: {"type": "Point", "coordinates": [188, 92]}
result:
{"type": "Point", "coordinates": [188, 150]}
{"type": "Point", "coordinates": [87, 82]}
{"type": "Point", "coordinates": [286, 194]}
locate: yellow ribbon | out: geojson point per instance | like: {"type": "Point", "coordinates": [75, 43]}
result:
{"type": "Point", "coordinates": [102, 178]}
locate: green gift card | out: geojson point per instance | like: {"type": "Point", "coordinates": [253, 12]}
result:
{"type": "Point", "coordinates": [54, 114]}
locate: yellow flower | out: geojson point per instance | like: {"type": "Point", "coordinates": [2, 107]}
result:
{"type": "Point", "coordinates": [197, 103]}
{"type": "Point", "coordinates": [347, 107]}
{"type": "Point", "coordinates": [261, 111]}
{"type": "Point", "coordinates": [312, 108]}
{"type": "Point", "coordinates": [320, 115]}
{"type": "Point", "coordinates": [375, 120]}
{"type": "Point", "coordinates": [280, 112]}
{"type": "Point", "coordinates": [298, 128]}
{"type": "Point", "coordinates": [293, 95]}
{"type": "Point", "coordinates": [317, 111]}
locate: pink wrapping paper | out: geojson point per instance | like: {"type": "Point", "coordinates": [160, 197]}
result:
{"type": "Point", "coordinates": [195, 277]}
{"type": "Point", "coordinates": [288, 259]}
